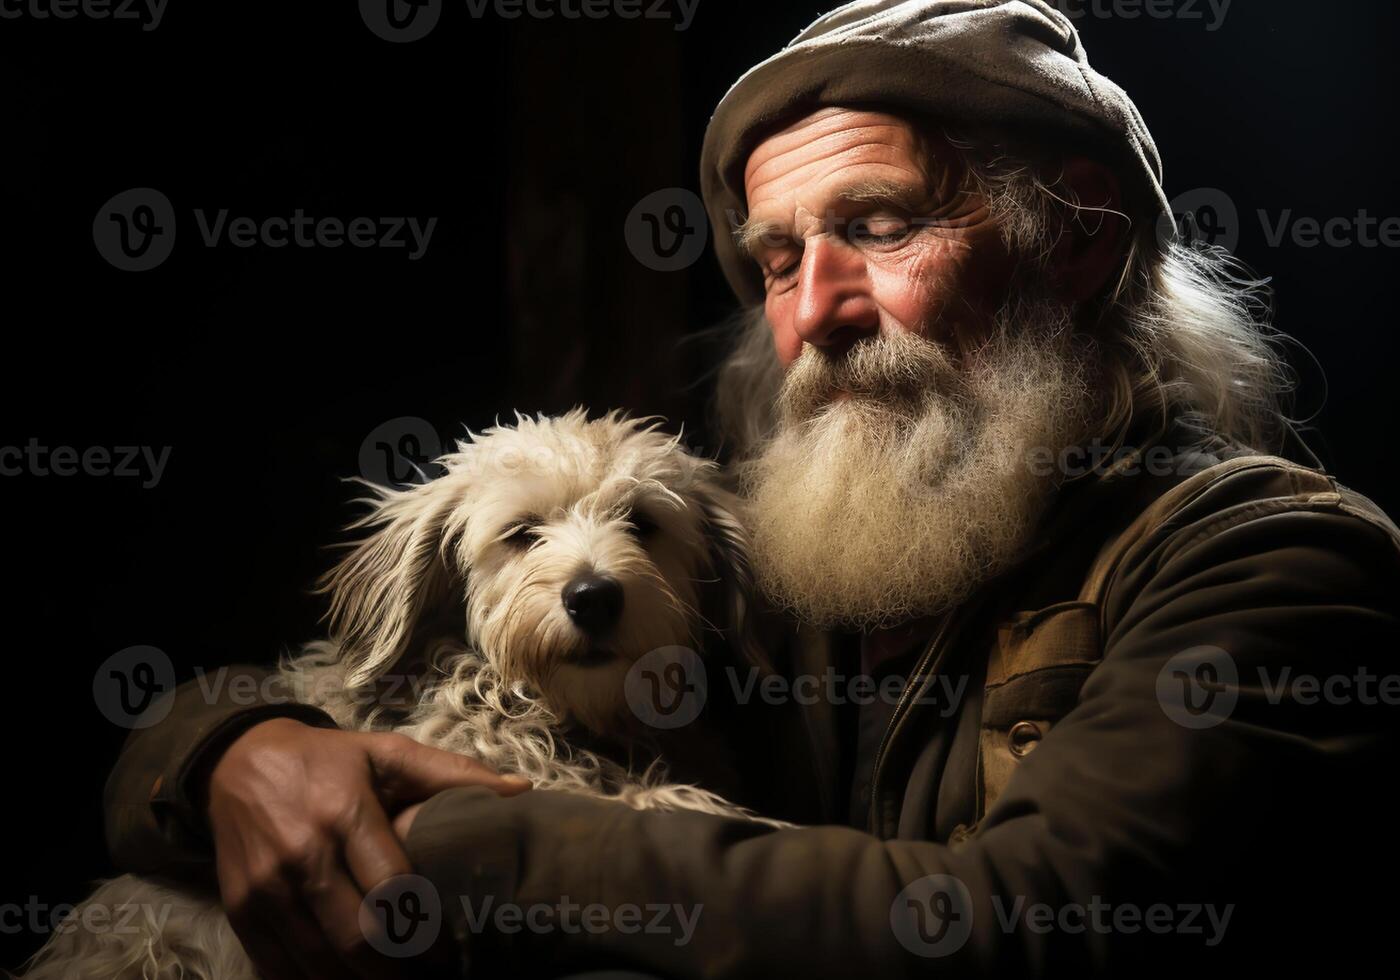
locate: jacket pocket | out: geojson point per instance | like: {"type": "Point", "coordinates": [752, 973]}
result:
{"type": "Point", "coordinates": [1038, 664]}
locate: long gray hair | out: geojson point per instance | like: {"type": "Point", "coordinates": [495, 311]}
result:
{"type": "Point", "coordinates": [1185, 330]}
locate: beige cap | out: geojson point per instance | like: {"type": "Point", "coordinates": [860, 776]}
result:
{"type": "Point", "coordinates": [1015, 64]}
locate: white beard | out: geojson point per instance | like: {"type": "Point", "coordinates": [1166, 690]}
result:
{"type": "Point", "coordinates": [899, 499]}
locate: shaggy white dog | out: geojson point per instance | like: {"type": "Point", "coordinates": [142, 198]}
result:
{"type": "Point", "coordinates": [513, 594]}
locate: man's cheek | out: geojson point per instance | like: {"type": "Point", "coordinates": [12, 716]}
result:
{"type": "Point", "coordinates": [786, 342]}
{"type": "Point", "coordinates": [935, 289]}
{"type": "Point", "coordinates": [913, 294]}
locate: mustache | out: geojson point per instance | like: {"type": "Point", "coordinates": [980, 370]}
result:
{"type": "Point", "coordinates": [896, 368]}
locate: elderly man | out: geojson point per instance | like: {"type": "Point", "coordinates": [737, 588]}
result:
{"type": "Point", "coordinates": [1000, 437]}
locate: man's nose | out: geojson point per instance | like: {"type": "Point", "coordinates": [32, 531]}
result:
{"type": "Point", "coordinates": [834, 305]}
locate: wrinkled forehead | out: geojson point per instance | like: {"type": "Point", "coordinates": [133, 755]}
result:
{"type": "Point", "coordinates": [828, 145]}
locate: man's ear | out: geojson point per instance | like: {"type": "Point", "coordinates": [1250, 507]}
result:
{"type": "Point", "coordinates": [1090, 251]}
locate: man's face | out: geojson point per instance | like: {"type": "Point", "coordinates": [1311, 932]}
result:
{"type": "Point", "coordinates": [862, 227]}
{"type": "Point", "coordinates": [922, 367]}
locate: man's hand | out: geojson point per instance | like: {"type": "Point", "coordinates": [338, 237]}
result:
{"type": "Point", "coordinates": [300, 818]}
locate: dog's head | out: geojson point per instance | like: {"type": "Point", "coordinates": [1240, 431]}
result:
{"type": "Point", "coordinates": [565, 548]}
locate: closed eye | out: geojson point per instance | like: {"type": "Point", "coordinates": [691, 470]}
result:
{"type": "Point", "coordinates": [642, 525]}
{"type": "Point", "coordinates": [880, 229]}
{"type": "Point", "coordinates": [521, 533]}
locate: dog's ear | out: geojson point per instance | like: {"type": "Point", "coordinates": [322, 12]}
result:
{"type": "Point", "coordinates": [393, 580]}
{"type": "Point", "coordinates": [729, 543]}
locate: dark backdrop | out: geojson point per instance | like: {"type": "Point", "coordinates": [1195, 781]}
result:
{"type": "Point", "coordinates": [266, 370]}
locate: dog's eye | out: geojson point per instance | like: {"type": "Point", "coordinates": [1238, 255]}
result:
{"type": "Point", "coordinates": [520, 534]}
{"type": "Point", "coordinates": [642, 525]}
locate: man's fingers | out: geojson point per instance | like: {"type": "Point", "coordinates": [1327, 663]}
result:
{"type": "Point", "coordinates": [277, 926]}
{"type": "Point", "coordinates": [403, 823]}
{"type": "Point", "coordinates": [373, 852]}
{"type": "Point", "coordinates": [259, 942]}
{"type": "Point", "coordinates": [335, 903]}
{"type": "Point", "coordinates": [410, 772]}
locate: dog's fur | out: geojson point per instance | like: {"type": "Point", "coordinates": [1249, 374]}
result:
{"type": "Point", "coordinates": [456, 595]}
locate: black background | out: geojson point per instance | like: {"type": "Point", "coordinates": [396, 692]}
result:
{"type": "Point", "coordinates": [530, 140]}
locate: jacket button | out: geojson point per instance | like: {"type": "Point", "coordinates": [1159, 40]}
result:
{"type": "Point", "coordinates": [1024, 736]}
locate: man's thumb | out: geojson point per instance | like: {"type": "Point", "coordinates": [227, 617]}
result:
{"type": "Point", "coordinates": [408, 772]}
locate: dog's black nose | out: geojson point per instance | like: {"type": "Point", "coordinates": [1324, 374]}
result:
{"type": "Point", "coordinates": [594, 602]}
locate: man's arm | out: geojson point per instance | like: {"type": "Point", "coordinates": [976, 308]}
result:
{"type": "Point", "coordinates": [1120, 822]}
{"type": "Point", "coordinates": [291, 815]}
{"type": "Point", "coordinates": [153, 800]}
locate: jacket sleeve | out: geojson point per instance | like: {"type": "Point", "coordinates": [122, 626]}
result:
{"type": "Point", "coordinates": [1147, 826]}
{"type": "Point", "coordinates": [152, 801]}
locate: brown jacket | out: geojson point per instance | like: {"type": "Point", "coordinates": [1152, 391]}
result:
{"type": "Point", "coordinates": [1165, 752]}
